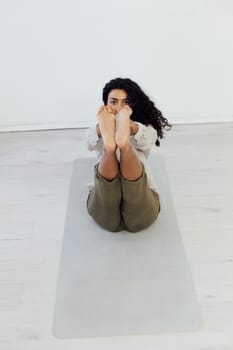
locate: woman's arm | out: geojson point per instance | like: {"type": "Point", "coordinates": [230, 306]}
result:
{"type": "Point", "coordinates": [133, 127]}
{"type": "Point", "coordinates": [98, 130]}
{"type": "Point", "coordinates": [94, 141]}
{"type": "Point", "coordinates": [144, 138]}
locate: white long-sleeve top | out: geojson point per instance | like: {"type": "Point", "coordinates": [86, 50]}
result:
{"type": "Point", "coordinates": [142, 142]}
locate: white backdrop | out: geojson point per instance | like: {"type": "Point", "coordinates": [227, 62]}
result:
{"type": "Point", "coordinates": [56, 55]}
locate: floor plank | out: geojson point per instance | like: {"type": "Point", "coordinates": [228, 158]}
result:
{"type": "Point", "coordinates": [35, 171]}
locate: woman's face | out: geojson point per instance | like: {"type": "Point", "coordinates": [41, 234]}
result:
{"type": "Point", "coordinates": [117, 99]}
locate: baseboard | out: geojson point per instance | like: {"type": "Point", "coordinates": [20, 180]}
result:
{"type": "Point", "coordinates": [42, 126]}
{"type": "Point", "coordinates": [81, 125]}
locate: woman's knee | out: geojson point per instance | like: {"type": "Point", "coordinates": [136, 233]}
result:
{"type": "Point", "coordinates": [106, 216]}
{"type": "Point", "coordinates": [143, 217]}
{"type": "Point", "coordinates": [112, 224]}
{"type": "Point", "coordinates": [136, 227]}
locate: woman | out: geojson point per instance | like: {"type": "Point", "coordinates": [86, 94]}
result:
{"type": "Point", "coordinates": [124, 196]}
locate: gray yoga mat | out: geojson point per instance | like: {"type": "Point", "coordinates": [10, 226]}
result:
{"type": "Point", "coordinates": [122, 283]}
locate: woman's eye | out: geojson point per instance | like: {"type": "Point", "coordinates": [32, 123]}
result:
{"type": "Point", "coordinates": [113, 102]}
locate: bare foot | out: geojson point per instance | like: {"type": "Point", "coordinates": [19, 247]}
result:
{"type": "Point", "coordinates": [122, 136]}
{"type": "Point", "coordinates": [107, 129]}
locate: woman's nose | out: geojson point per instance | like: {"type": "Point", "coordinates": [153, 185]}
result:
{"type": "Point", "coordinates": [117, 108]}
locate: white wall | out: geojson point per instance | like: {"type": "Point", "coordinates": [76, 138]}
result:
{"type": "Point", "coordinates": [56, 55]}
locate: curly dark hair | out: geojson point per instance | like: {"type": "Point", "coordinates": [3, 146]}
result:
{"type": "Point", "coordinates": [144, 110]}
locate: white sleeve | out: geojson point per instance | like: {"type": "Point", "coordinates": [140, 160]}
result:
{"type": "Point", "coordinates": [145, 138]}
{"type": "Point", "coordinates": [93, 140]}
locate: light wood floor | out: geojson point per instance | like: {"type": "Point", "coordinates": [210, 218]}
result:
{"type": "Point", "coordinates": [35, 170]}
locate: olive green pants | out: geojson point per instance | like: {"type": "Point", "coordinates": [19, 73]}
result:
{"type": "Point", "coordinates": [120, 204]}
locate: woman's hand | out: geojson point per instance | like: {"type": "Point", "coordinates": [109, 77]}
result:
{"type": "Point", "coordinates": [126, 110]}
{"type": "Point", "coordinates": [105, 111]}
